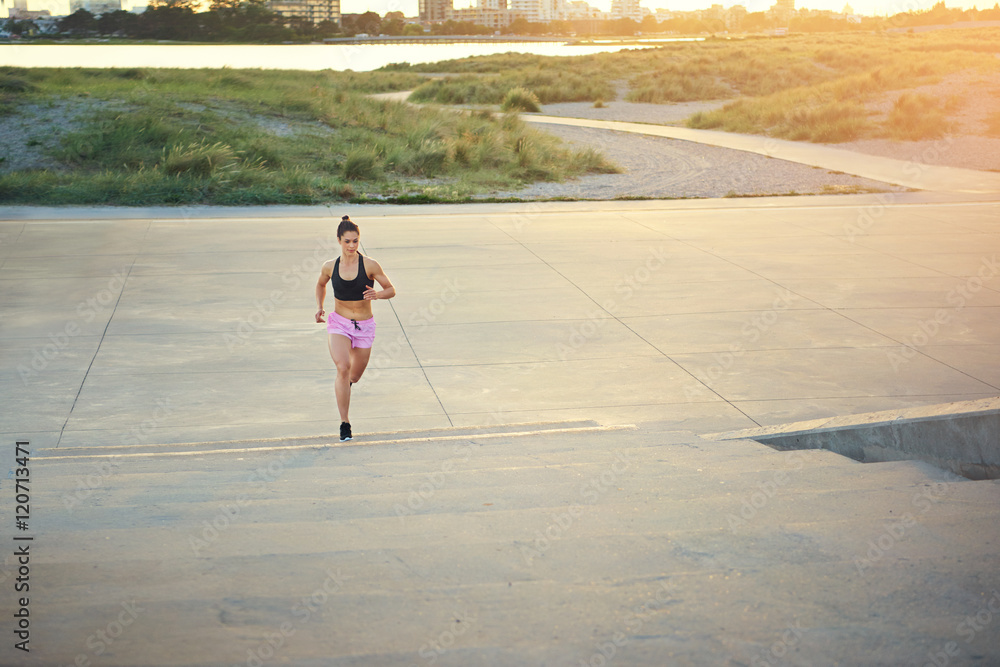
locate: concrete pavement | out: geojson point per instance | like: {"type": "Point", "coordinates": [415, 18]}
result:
{"type": "Point", "coordinates": [135, 343]}
{"type": "Point", "coordinates": [557, 548]}
{"type": "Point", "coordinates": [712, 316]}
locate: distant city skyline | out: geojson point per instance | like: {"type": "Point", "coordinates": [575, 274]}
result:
{"type": "Point", "coordinates": [865, 7]}
{"type": "Point", "coordinates": [409, 7]}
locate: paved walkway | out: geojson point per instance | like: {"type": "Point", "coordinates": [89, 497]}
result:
{"type": "Point", "coordinates": [618, 538]}
{"type": "Point", "coordinates": [709, 315]}
{"type": "Point", "coordinates": [553, 549]}
{"type": "Point", "coordinates": [909, 173]}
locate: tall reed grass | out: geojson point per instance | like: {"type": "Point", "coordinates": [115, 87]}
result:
{"type": "Point", "coordinates": [811, 88]}
{"type": "Point", "coordinates": [491, 88]}
{"type": "Point", "coordinates": [917, 116]}
{"type": "Point", "coordinates": [520, 99]}
{"type": "Point", "coordinates": [839, 108]}
{"type": "Point", "coordinates": [232, 136]}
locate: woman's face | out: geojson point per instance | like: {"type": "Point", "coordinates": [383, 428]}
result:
{"type": "Point", "coordinates": [349, 242]}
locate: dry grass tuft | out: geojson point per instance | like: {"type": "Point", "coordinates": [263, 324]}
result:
{"type": "Point", "coordinates": [916, 116]}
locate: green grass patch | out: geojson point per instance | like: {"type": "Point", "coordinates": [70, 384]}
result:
{"type": "Point", "coordinates": [564, 85]}
{"type": "Point", "coordinates": [676, 85]}
{"type": "Point", "coordinates": [458, 90]}
{"type": "Point", "coordinates": [804, 87]}
{"type": "Point", "coordinates": [792, 115]}
{"type": "Point", "coordinates": [520, 99]}
{"type": "Point", "coordinates": [362, 164]}
{"type": "Point", "coordinates": [252, 137]}
{"type": "Point", "coordinates": [835, 110]}
{"type": "Point", "coordinates": [916, 116]}
{"type": "Point", "coordinates": [159, 136]}
{"type": "Point", "coordinates": [593, 161]}
{"type": "Point", "coordinates": [14, 84]}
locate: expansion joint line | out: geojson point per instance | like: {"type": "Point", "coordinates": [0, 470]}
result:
{"type": "Point", "coordinates": [618, 320]}
{"type": "Point", "coordinates": [423, 370]}
{"type": "Point", "coordinates": [692, 375]}
{"type": "Point", "coordinates": [20, 232]}
{"type": "Point", "coordinates": [100, 343]}
{"type": "Point", "coordinates": [821, 306]}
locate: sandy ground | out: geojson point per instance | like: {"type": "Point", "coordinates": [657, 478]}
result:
{"type": "Point", "coordinates": [661, 168]}
{"type": "Point", "coordinates": [967, 142]}
{"type": "Point", "coordinates": [633, 112]}
{"type": "Point", "coordinates": [656, 167]}
{"type": "Point", "coordinates": [27, 136]}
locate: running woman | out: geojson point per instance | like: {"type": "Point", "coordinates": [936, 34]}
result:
{"type": "Point", "coordinates": [351, 325]}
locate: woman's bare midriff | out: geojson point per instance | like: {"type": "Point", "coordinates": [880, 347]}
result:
{"type": "Point", "coordinates": [353, 310]}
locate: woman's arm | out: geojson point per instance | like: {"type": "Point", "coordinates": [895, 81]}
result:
{"type": "Point", "coordinates": [324, 277]}
{"type": "Point", "coordinates": [376, 273]}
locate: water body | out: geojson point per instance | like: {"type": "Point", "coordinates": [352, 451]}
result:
{"type": "Point", "coordinates": [339, 57]}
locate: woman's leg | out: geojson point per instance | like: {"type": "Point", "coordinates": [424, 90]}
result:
{"type": "Point", "coordinates": [359, 361]}
{"type": "Point", "coordinates": [340, 352]}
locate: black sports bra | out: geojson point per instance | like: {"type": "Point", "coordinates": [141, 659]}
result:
{"type": "Point", "coordinates": [350, 290]}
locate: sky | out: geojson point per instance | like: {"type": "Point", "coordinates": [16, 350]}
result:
{"type": "Point", "coordinates": [409, 7]}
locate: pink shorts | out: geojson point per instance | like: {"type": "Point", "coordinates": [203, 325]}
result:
{"type": "Point", "coordinates": [361, 333]}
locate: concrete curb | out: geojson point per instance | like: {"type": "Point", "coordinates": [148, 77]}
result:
{"type": "Point", "coordinates": [962, 437]}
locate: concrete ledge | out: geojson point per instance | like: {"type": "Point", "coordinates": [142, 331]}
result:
{"type": "Point", "coordinates": [961, 437]}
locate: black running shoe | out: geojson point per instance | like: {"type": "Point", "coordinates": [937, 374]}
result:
{"type": "Point", "coordinates": [345, 431]}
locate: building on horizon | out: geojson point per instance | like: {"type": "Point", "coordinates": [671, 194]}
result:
{"type": "Point", "coordinates": [95, 7]}
{"type": "Point", "coordinates": [546, 11]}
{"type": "Point", "coordinates": [579, 10]}
{"type": "Point", "coordinates": [34, 9]}
{"type": "Point", "coordinates": [315, 11]}
{"type": "Point", "coordinates": [626, 9]}
{"type": "Point", "coordinates": [435, 11]}
{"type": "Point", "coordinates": [734, 17]}
{"type": "Point", "coordinates": [498, 14]}
{"type": "Point", "coordinates": [492, 14]}
{"type": "Point", "coordinates": [529, 10]}
{"type": "Point", "coordinates": [13, 8]}
{"type": "Point", "coordinates": [782, 11]}
{"type": "Point", "coordinates": [489, 16]}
